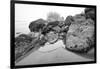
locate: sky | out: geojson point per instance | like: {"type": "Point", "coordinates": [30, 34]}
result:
{"type": "Point", "coordinates": [25, 13]}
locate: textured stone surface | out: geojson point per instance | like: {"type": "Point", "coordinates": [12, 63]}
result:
{"type": "Point", "coordinates": [37, 25]}
{"type": "Point", "coordinates": [24, 43]}
{"type": "Point", "coordinates": [90, 13]}
{"type": "Point", "coordinates": [80, 36]}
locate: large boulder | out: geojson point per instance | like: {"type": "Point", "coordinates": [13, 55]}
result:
{"type": "Point", "coordinates": [80, 36]}
{"type": "Point", "coordinates": [37, 25]}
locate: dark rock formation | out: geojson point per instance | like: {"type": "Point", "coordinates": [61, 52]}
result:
{"type": "Point", "coordinates": [76, 31]}
{"type": "Point", "coordinates": [58, 28]}
{"type": "Point", "coordinates": [90, 13]}
{"type": "Point", "coordinates": [50, 27]}
{"type": "Point", "coordinates": [37, 25]}
{"type": "Point", "coordinates": [68, 20]}
{"type": "Point", "coordinates": [51, 30]}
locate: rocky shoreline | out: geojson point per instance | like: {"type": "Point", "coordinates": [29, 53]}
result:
{"type": "Point", "coordinates": [76, 32]}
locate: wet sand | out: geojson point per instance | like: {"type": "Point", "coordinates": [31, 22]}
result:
{"type": "Point", "coordinates": [57, 55]}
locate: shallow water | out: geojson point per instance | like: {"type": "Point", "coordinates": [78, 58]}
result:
{"type": "Point", "coordinates": [21, 27]}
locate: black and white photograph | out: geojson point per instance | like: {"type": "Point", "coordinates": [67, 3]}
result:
{"type": "Point", "coordinates": [51, 34]}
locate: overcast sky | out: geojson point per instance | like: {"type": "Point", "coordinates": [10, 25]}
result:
{"type": "Point", "coordinates": [25, 13]}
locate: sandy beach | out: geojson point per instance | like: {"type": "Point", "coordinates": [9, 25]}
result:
{"type": "Point", "coordinates": [54, 54]}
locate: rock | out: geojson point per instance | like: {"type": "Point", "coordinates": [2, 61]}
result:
{"type": "Point", "coordinates": [25, 43]}
{"type": "Point", "coordinates": [22, 42]}
{"type": "Point", "coordinates": [68, 20]}
{"type": "Point", "coordinates": [42, 41]}
{"type": "Point", "coordinates": [52, 37]}
{"type": "Point", "coordinates": [31, 34]}
{"type": "Point", "coordinates": [37, 25]}
{"type": "Point", "coordinates": [80, 37]}
{"type": "Point", "coordinates": [57, 28]}
{"type": "Point", "coordinates": [50, 31]}
{"type": "Point", "coordinates": [79, 18]}
{"type": "Point", "coordinates": [90, 13]}
{"type": "Point", "coordinates": [23, 38]}
{"type": "Point", "coordinates": [51, 26]}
